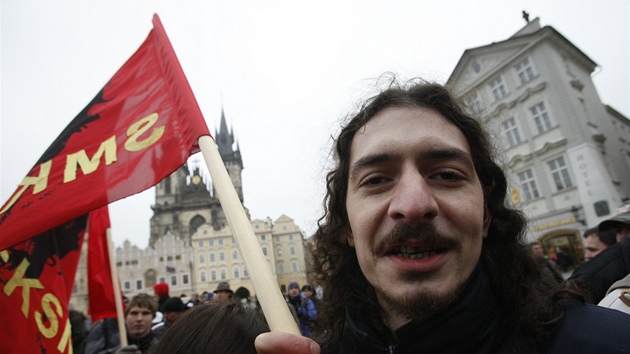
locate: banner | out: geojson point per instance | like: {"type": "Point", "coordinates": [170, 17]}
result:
{"type": "Point", "coordinates": [100, 289]}
{"type": "Point", "coordinates": [140, 128]}
{"type": "Point", "coordinates": [36, 280]}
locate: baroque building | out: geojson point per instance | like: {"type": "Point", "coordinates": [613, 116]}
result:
{"type": "Point", "coordinates": [566, 153]}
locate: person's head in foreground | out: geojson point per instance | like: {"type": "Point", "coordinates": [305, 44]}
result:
{"type": "Point", "coordinates": [416, 208]}
{"type": "Point", "coordinates": [216, 327]}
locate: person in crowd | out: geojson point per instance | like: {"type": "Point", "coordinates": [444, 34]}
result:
{"type": "Point", "coordinates": [216, 327]}
{"type": "Point", "coordinates": [79, 329]}
{"type": "Point", "coordinates": [420, 252]}
{"type": "Point", "coordinates": [307, 291]}
{"type": "Point", "coordinates": [223, 292]}
{"type": "Point", "coordinates": [173, 309]}
{"type": "Point", "coordinates": [304, 308]}
{"type": "Point", "coordinates": [549, 272]}
{"type": "Point", "coordinates": [161, 292]}
{"type": "Point", "coordinates": [595, 242]}
{"type": "Point", "coordinates": [104, 336]}
{"type": "Point", "coordinates": [613, 263]}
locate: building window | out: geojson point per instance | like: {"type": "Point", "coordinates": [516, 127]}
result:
{"type": "Point", "coordinates": [161, 279]}
{"type": "Point", "coordinates": [245, 274]}
{"type": "Point", "coordinates": [221, 256]}
{"type": "Point", "coordinates": [280, 268]}
{"type": "Point", "coordinates": [210, 243]}
{"type": "Point", "coordinates": [178, 257]}
{"type": "Point", "coordinates": [265, 251]}
{"type": "Point", "coordinates": [560, 173]}
{"type": "Point", "coordinates": [294, 267]}
{"type": "Point", "coordinates": [167, 185]}
{"type": "Point", "coordinates": [292, 250]}
{"type": "Point", "coordinates": [213, 275]}
{"type": "Point", "coordinates": [263, 237]}
{"type": "Point", "coordinates": [202, 276]}
{"type": "Point", "coordinates": [169, 258]}
{"type": "Point", "coordinates": [291, 237]}
{"type": "Point", "coordinates": [223, 274]}
{"type": "Point", "coordinates": [498, 88]}
{"type": "Point", "coordinates": [234, 255]}
{"type": "Point", "coordinates": [277, 238]}
{"type": "Point", "coordinates": [524, 71]}
{"type": "Point", "coordinates": [528, 183]}
{"type": "Point", "coordinates": [173, 280]}
{"type": "Point", "coordinates": [200, 244]}
{"type": "Point", "coordinates": [212, 260]}
{"type": "Point", "coordinates": [511, 132]}
{"type": "Point", "coordinates": [279, 252]}
{"type": "Point", "coordinates": [233, 241]}
{"type": "Point", "coordinates": [185, 279]}
{"type": "Point", "coordinates": [236, 272]}
{"type": "Point", "coordinates": [541, 117]}
{"type": "Point", "coordinates": [202, 258]}
{"type": "Point", "coordinates": [127, 285]}
{"type": "Point", "coordinates": [220, 242]}
{"type": "Point", "coordinates": [139, 285]}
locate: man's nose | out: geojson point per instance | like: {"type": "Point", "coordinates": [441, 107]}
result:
{"type": "Point", "coordinates": [413, 199]}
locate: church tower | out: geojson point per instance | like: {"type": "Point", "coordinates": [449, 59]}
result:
{"type": "Point", "coordinates": [184, 201]}
{"type": "Point", "coordinates": [231, 157]}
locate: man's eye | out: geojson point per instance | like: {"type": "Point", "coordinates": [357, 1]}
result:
{"type": "Point", "coordinates": [450, 176]}
{"type": "Point", "coordinates": [373, 181]}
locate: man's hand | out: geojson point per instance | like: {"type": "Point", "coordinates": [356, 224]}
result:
{"type": "Point", "coordinates": [285, 343]}
{"type": "Point", "coordinates": [130, 349]}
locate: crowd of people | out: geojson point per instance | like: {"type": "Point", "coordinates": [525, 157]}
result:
{"type": "Point", "coordinates": [419, 251]}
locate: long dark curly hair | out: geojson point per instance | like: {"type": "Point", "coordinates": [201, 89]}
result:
{"type": "Point", "coordinates": [528, 304]}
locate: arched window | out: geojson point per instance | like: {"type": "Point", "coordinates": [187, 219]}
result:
{"type": "Point", "coordinates": [194, 224]}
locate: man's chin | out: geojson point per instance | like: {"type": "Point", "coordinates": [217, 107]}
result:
{"type": "Point", "coordinates": [417, 306]}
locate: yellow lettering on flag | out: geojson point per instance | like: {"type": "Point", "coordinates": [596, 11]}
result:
{"type": "Point", "coordinates": [140, 127]}
{"type": "Point", "coordinates": [80, 158]}
{"type": "Point", "coordinates": [18, 280]}
{"type": "Point", "coordinates": [51, 315]}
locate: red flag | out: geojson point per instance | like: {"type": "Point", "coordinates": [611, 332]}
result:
{"type": "Point", "coordinates": [36, 280]}
{"type": "Point", "coordinates": [100, 289]}
{"type": "Point", "coordinates": [140, 128]}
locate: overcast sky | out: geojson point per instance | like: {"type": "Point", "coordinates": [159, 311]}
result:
{"type": "Point", "coordinates": [286, 73]}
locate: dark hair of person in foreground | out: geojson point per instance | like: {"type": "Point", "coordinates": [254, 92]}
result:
{"type": "Point", "coordinates": [214, 328]}
{"type": "Point", "coordinates": [531, 308]}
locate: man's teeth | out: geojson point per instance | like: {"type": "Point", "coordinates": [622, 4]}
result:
{"type": "Point", "coordinates": [413, 252]}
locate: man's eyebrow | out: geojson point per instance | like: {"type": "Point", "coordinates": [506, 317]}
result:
{"type": "Point", "coordinates": [433, 154]}
{"type": "Point", "coordinates": [367, 161]}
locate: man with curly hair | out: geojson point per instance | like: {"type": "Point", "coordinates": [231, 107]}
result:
{"type": "Point", "coordinates": [419, 251]}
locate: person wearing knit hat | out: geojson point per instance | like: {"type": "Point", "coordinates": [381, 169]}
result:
{"type": "Point", "coordinates": [174, 307]}
{"type": "Point", "coordinates": [161, 290]}
{"type": "Point", "coordinates": [304, 308]}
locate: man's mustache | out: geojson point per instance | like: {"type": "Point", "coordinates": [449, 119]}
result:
{"type": "Point", "coordinates": [425, 233]}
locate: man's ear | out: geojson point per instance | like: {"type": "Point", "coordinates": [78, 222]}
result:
{"type": "Point", "coordinates": [349, 237]}
{"type": "Point", "coordinates": [487, 219]}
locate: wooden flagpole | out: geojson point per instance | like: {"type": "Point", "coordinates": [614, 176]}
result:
{"type": "Point", "coordinates": [122, 330]}
{"type": "Point", "coordinates": [267, 291]}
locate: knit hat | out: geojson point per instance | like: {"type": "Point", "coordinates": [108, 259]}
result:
{"type": "Point", "coordinates": [174, 304]}
{"type": "Point", "coordinates": [622, 216]}
{"type": "Point", "coordinates": [294, 284]}
{"type": "Point", "coordinates": [161, 289]}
